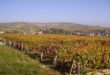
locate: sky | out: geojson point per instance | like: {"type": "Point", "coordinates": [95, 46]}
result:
{"type": "Point", "coordinates": [90, 12]}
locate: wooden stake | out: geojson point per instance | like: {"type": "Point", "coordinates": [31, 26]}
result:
{"type": "Point", "coordinates": [22, 46]}
{"type": "Point", "coordinates": [54, 62]}
{"type": "Point", "coordinates": [71, 69]}
{"type": "Point", "coordinates": [78, 68]}
{"type": "Point", "coordinates": [41, 57]}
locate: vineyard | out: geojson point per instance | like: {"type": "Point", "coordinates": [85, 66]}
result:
{"type": "Point", "coordinates": [67, 53]}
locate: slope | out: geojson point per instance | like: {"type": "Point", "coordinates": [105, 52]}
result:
{"type": "Point", "coordinates": [13, 62]}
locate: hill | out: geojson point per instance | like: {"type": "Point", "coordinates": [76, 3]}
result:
{"type": "Point", "coordinates": [28, 27]}
{"type": "Point", "coordinates": [17, 27]}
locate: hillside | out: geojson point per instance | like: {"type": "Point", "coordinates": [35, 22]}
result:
{"type": "Point", "coordinates": [17, 27]}
{"type": "Point", "coordinates": [75, 27]}
{"type": "Point", "coordinates": [20, 27]}
{"type": "Point", "coordinates": [13, 62]}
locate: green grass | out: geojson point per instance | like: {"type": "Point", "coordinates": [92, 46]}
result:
{"type": "Point", "coordinates": [13, 62]}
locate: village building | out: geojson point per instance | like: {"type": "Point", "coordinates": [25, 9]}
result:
{"type": "Point", "coordinates": [1, 41]}
{"type": "Point", "coordinates": [2, 32]}
{"type": "Point", "coordinates": [39, 32]}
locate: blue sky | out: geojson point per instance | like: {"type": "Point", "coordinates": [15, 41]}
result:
{"type": "Point", "coordinates": [92, 12]}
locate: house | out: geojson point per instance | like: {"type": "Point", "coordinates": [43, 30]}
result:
{"type": "Point", "coordinates": [90, 34]}
{"type": "Point", "coordinates": [24, 33]}
{"type": "Point", "coordinates": [2, 32]}
{"type": "Point", "coordinates": [1, 41]}
{"type": "Point", "coordinates": [108, 34]}
{"type": "Point", "coordinates": [39, 32]}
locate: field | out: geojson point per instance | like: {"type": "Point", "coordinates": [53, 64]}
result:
{"type": "Point", "coordinates": [65, 53]}
{"type": "Point", "coordinates": [13, 62]}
